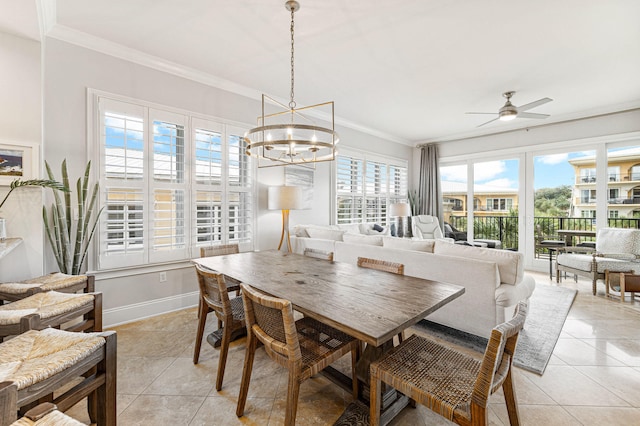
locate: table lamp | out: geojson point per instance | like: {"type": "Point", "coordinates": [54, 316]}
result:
{"type": "Point", "coordinates": [400, 210]}
{"type": "Point", "coordinates": [285, 198]}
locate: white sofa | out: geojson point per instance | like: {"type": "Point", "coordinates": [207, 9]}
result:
{"type": "Point", "coordinates": [494, 280]}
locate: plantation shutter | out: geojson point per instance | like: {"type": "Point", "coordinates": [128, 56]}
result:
{"type": "Point", "coordinates": [365, 186]}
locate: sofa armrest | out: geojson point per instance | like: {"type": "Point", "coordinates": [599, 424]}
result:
{"type": "Point", "coordinates": [575, 249]}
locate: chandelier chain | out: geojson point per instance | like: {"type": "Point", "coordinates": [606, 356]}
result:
{"type": "Point", "coordinates": [292, 103]}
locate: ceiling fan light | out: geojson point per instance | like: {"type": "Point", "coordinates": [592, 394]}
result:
{"type": "Point", "coordinates": [508, 115]}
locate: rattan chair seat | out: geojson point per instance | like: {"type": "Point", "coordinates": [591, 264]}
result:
{"type": "Point", "coordinates": [442, 377]}
{"type": "Point", "coordinates": [37, 355]}
{"type": "Point", "coordinates": [55, 281]}
{"type": "Point", "coordinates": [54, 418]}
{"type": "Point", "coordinates": [46, 305]}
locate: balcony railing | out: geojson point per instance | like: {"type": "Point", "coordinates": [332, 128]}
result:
{"type": "Point", "coordinates": [612, 177]}
{"type": "Point", "coordinates": [505, 228]}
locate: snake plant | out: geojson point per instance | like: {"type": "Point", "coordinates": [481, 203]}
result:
{"type": "Point", "coordinates": [44, 183]}
{"type": "Point", "coordinates": [70, 238]}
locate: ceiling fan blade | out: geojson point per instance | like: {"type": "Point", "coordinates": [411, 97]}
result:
{"type": "Point", "coordinates": [492, 113]}
{"type": "Point", "coordinates": [490, 121]}
{"type": "Point", "coordinates": [531, 115]}
{"type": "Point", "coordinates": [534, 104]}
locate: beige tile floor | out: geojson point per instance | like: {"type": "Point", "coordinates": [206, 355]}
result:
{"type": "Point", "coordinates": [593, 377]}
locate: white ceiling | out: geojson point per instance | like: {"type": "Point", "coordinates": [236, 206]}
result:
{"type": "Point", "coordinates": [408, 69]}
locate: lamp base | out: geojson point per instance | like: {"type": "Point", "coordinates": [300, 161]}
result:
{"type": "Point", "coordinates": [285, 230]}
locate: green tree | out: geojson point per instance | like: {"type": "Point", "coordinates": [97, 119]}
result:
{"type": "Point", "coordinates": [553, 202]}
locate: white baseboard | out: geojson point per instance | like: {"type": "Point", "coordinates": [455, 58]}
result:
{"type": "Point", "coordinates": [137, 311]}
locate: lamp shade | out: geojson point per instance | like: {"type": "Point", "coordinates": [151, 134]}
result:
{"type": "Point", "coordinates": [285, 198]}
{"type": "Point", "coordinates": [399, 210]}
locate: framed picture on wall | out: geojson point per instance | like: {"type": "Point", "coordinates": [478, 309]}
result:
{"type": "Point", "coordinates": [298, 176]}
{"type": "Point", "coordinates": [18, 160]}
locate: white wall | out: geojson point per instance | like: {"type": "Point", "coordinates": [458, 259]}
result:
{"type": "Point", "coordinates": [70, 70]}
{"type": "Point", "coordinates": [21, 124]}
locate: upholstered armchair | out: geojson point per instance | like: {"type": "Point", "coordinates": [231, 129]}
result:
{"type": "Point", "coordinates": [617, 250]}
{"type": "Point", "coordinates": [426, 227]}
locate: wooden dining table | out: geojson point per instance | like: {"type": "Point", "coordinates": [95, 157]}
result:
{"type": "Point", "coordinates": [370, 305]}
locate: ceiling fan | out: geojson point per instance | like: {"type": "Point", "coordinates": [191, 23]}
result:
{"type": "Point", "coordinates": [510, 111]}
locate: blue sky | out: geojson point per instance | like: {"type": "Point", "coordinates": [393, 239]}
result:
{"type": "Point", "coordinates": [549, 171]}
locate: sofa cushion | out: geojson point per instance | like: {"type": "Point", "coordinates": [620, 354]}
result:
{"type": "Point", "coordinates": [583, 262]}
{"type": "Point", "coordinates": [351, 228]}
{"type": "Point", "coordinates": [406, 244]}
{"type": "Point", "coordinates": [324, 233]}
{"type": "Point", "coordinates": [510, 263]}
{"type": "Point", "coordinates": [301, 231]}
{"type": "Point", "coordinates": [374, 240]}
{"type": "Point", "coordinates": [618, 240]}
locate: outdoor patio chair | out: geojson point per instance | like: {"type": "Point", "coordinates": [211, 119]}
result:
{"type": "Point", "coordinates": [305, 347]}
{"type": "Point", "coordinates": [617, 249]}
{"type": "Point", "coordinates": [543, 242]}
{"type": "Point", "coordinates": [448, 382]}
{"type": "Point", "coordinates": [72, 312]}
{"type": "Point", "coordinates": [214, 297]}
{"type": "Point", "coordinates": [43, 365]}
{"type": "Point", "coordinates": [56, 281]}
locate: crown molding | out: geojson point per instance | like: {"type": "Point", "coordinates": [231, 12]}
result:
{"type": "Point", "coordinates": [101, 45]}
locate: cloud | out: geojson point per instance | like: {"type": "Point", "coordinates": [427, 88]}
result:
{"type": "Point", "coordinates": [454, 173]}
{"type": "Point", "coordinates": [553, 158]}
{"type": "Point", "coordinates": [502, 183]}
{"type": "Point", "coordinates": [481, 171]}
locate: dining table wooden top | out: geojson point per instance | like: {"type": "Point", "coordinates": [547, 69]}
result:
{"type": "Point", "coordinates": [370, 305]}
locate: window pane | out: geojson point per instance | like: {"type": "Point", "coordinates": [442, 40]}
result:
{"type": "Point", "coordinates": [623, 169]}
{"type": "Point", "coordinates": [124, 221]}
{"type": "Point", "coordinates": [168, 219]}
{"type": "Point", "coordinates": [208, 157]}
{"type": "Point", "coordinates": [168, 152]}
{"type": "Point", "coordinates": [239, 170]}
{"type": "Point", "coordinates": [240, 209]}
{"type": "Point", "coordinates": [208, 220]}
{"type": "Point", "coordinates": [123, 138]}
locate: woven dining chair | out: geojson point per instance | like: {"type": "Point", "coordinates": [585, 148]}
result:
{"type": "Point", "coordinates": [44, 414]}
{"type": "Point", "coordinates": [450, 383]}
{"type": "Point", "coordinates": [44, 365]}
{"type": "Point", "coordinates": [305, 347]}
{"type": "Point", "coordinates": [214, 297]}
{"type": "Point", "coordinates": [56, 281]}
{"type": "Point", "coordinates": [319, 254]}
{"type": "Point", "coordinates": [71, 312]}
{"type": "Point", "coordinates": [221, 250]}
{"type": "Point", "coordinates": [383, 265]}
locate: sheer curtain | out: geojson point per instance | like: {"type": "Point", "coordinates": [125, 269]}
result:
{"type": "Point", "coordinates": [429, 190]}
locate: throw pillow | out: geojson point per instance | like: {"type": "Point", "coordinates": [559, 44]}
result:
{"type": "Point", "coordinates": [300, 231]}
{"type": "Point", "coordinates": [378, 228]}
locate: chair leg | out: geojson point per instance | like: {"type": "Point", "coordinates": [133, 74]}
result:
{"type": "Point", "coordinates": [224, 350]}
{"type": "Point", "coordinates": [249, 355]}
{"type": "Point", "coordinates": [103, 400]}
{"type": "Point", "coordinates": [510, 399]}
{"type": "Point", "coordinates": [293, 391]}
{"type": "Point", "coordinates": [593, 284]}
{"type": "Point", "coordinates": [202, 320]}
{"type": "Point", "coordinates": [374, 401]}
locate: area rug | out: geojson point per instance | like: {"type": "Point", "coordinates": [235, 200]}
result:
{"type": "Point", "coordinates": [548, 309]}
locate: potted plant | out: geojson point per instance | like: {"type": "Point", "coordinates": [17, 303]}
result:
{"type": "Point", "coordinates": [70, 239]}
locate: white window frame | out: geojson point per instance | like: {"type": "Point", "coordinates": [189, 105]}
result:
{"type": "Point", "coordinates": [384, 196]}
{"type": "Point", "coordinates": [189, 247]}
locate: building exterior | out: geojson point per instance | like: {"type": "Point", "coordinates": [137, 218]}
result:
{"type": "Point", "coordinates": [623, 187]}
{"type": "Point", "coordinates": [488, 200]}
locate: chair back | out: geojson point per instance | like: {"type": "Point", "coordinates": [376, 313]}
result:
{"type": "Point", "coordinates": [618, 241]}
{"type": "Point", "coordinates": [271, 320]}
{"type": "Point", "coordinates": [219, 250]}
{"type": "Point", "coordinates": [426, 227]}
{"type": "Point", "coordinates": [213, 289]}
{"type": "Point", "coordinates": [381, 265]}
{"type": "Point", "coordinates": [319, 254]}
{"type": "Point", "coordinates": [498, 356]}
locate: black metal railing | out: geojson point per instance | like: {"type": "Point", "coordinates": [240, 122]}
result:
{"type": "Point", "coordinates": [505, 228]}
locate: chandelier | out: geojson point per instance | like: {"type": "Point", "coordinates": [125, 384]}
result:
{"type": "Point", "coordinates": [290, 135]}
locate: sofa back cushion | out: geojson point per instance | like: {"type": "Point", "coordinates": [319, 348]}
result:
{"type": "Point", "coordinates": [618, 241]}
{"type": "Point", "coordinates": [406, 244]}
{"type": "Point", "coordinates": [324, 233]}
{"type": "Point", "coordinates": [425, 226]}
{"type": "Point", "coordinates": [374, 240]}
{"type": "Point", "coordinates": [510, 263]}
